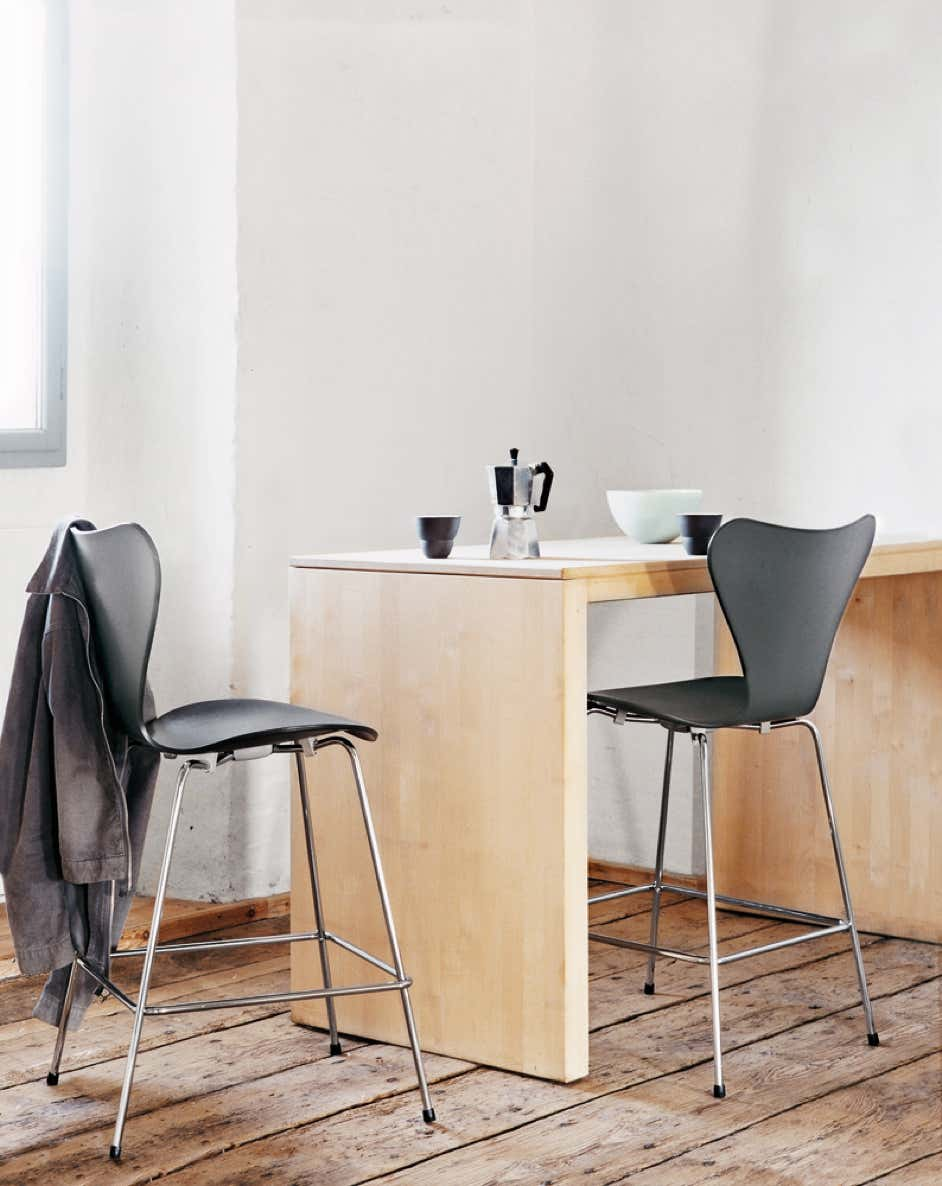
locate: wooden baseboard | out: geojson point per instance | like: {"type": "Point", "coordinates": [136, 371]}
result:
{"type": "Point", "coordinates": [181, 920]}
{"type": "Point", "coordinates": [638, 875]}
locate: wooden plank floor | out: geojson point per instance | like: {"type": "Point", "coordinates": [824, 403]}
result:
{"type": "Point", "coordinates": [243, 1096]}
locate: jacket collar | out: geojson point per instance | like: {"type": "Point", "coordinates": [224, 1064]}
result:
{"type": "Point", "coordinates": [58, 571]}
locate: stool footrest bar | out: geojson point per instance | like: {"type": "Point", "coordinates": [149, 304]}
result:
{"type": "Point", "coordinates": [636, 945]}
{"type": "Point", "coordinates": [821, 920]}
{"type": "Point", "coordinates": [103, 980]}
{"type": "Point", "coordinates": [257, 941]}
{"type": "Point", "coordinates": [693, 958]}
{"type": "Point", "coordinates": [313, 994]}
{"type": "Point", "coordinates": [363, 955]}
{"type": "Point", "coordinates": [805, 937]}
{"type": "Point", "coordinates": [622, 893]}
{"type": "Point", "coordinates": [219, 944]}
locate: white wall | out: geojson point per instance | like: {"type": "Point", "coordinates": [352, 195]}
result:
{"type": "Point", "coordinates": [738, 246]}
{"type": "Point", "coordinates": [655, 244]}
{"type": "Point", "coordinates": [152, 354]}
{"type": "Point", "coordinates": [385, 301]}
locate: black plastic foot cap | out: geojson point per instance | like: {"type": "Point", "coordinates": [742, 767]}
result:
{"type": "Point", "coordinates": [719, 1091]}
{"type": "Point", "coordinates": [873, 1039]}
{"type": "Point", "coordinates": [115, 1152]}
{"type": "Point", "coordinates": [52, 1078]}
{"type": "Point", "coordinates": [335, 1049]}
{"type": "Point", "coordinates": [649, 990]}
{"type": "Point", "coordinates": [428, 1115]}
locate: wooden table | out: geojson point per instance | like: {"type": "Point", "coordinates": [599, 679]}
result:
{"type": "Point", "coordinates": [474, 673]}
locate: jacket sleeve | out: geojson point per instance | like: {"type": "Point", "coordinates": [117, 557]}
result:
{"type": "Point", "coordinates": [89, 798]}
{"type": "Point", "coordinates": [16, 740]}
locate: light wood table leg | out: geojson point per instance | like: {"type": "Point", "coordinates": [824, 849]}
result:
{"type": "Point", "coordinates": [478, 788]}
{"type": "Point", "coordinates": [880, 716]}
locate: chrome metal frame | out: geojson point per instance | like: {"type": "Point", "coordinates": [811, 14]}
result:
{"type": "Point", "coordinates": [659, 861]}
{"type": "Point", "coordinates": [824, 924]}
{"type": "Point", "coordinates": [399, 981]}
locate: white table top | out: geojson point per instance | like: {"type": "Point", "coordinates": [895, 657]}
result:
{"type": "Point", "coordinates": [606, 556]}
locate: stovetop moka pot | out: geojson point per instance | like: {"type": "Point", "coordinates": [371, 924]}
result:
{"type": "Point", "coordinates": [513, 535]}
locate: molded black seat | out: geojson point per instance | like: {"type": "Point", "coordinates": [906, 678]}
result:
{"type": "Point", "coordinates": [783, 591]}
{"type": "Point", "coordinates": [215, 726]}
{"type": "Point", "coordinates": [121, 574]}
{"type": "Point", "coordinates": [713, 702]}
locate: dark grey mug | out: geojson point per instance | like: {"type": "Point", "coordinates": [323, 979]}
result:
{"type": "Point", "coordinates": [437, 534]}
{"type": "Point", "coordinates": [696, 531]}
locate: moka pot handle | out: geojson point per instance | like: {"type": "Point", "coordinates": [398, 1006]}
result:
{"type": "Point", "coordinates": [547, 473]}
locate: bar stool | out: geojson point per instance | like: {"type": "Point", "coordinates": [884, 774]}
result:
{"type": "Point", "coordinates": [783, 592]}
{"type": "Point", "coordinates": [121, 573]}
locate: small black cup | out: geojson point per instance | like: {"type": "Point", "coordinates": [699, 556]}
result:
{"type": "Point", "coordinates": [437, 533]}
{"type": "Point", "coordinates": [696, 531]}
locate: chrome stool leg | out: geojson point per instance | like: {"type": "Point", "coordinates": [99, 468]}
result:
{"type": "Point", "coordinates": [428, 1112]}
{"type": "Point", "coordinates": [115, 1151]}
{"type": "Point", "coordinates": [702, 744]}
{"type": "Point", "coordinates": [659, 860]}
{"type": "Point", "coordinates": [872, 1036]}
{"type": "Point", "coordinates": [52, 1078]}
{"type": "Point", "coordinates": [318, 902]}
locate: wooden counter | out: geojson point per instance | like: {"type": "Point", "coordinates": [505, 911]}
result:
{"type": "Point", "coordinates": [474, 673]}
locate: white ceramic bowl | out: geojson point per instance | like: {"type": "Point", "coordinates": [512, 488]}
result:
{"type": "Point", "coordinates": [650, 516]}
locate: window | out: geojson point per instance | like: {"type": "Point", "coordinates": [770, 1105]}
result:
{"type": "Point", "coordinates": [33, 214]}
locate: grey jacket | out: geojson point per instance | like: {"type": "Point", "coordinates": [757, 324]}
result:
{"type": "Point", "coordinates": [75, 796]}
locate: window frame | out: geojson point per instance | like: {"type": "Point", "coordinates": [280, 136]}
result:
{"type": "Point", "coordinates": [46, 446]}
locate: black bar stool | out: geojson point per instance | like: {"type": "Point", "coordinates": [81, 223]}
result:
{"type": "Point", "coordinates": [121, 573]}
{"type": "Point", "coordinates": [783, 592]}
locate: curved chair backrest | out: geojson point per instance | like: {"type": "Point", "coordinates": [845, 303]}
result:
{"type": "Point", "coordinates": [121, 573]}
{"type": "Point", "coordinates": [784, 591]}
